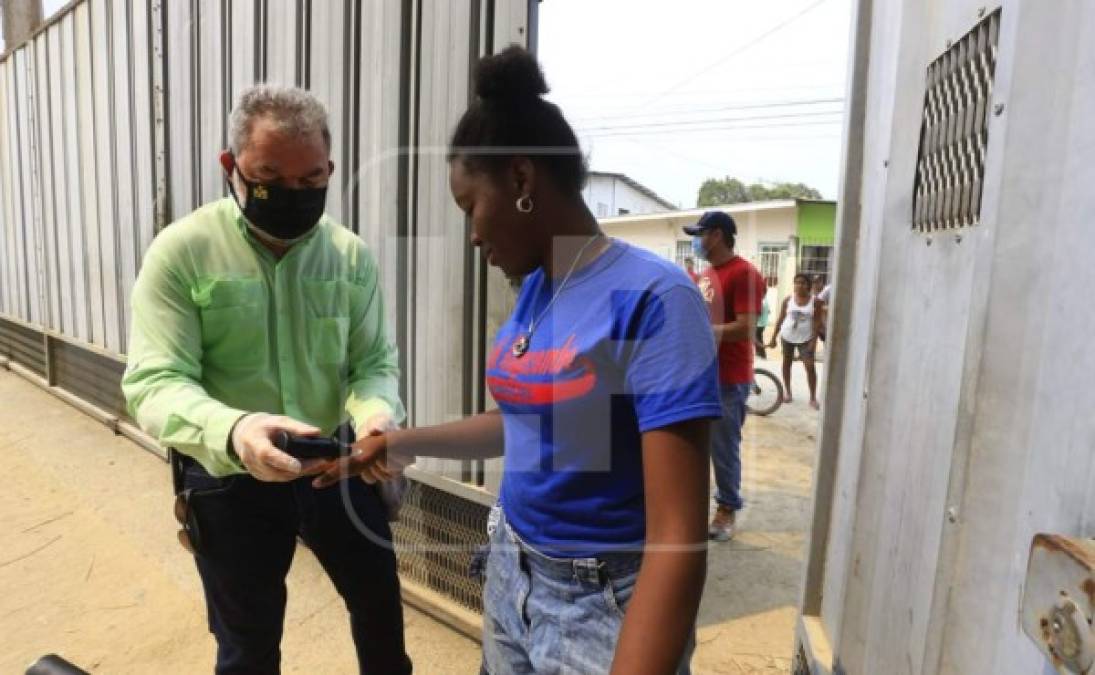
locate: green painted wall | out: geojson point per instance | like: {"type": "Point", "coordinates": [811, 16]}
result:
{"type": "Point", "coordinates": [816, 221]}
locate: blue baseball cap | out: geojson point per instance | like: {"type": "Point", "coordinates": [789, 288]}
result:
{"type": "Point", "coordinates": [713, 220]}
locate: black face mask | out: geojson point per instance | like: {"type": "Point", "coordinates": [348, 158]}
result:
{"type": "Point", "coordinates": [282, 213]}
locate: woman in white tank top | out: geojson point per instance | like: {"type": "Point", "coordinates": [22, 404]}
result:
{"type": "Point", "coordinates": [799, 325]}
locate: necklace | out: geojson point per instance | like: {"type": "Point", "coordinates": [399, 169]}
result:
{"type": "Point", "coordinates": [521, 344]}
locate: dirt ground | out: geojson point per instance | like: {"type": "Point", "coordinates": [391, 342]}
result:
{"type": "Point", "coordinates": [747, 618]}
{"type": "Point", "coordinates": [90, 569]}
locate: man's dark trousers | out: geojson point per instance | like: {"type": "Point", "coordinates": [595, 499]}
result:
{"type": "Point", "coordinates": [249, 532]}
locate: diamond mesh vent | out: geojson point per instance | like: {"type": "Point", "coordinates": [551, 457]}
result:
{"type": "Point", "coordinates": [436, 536]}
{"type": "Point", "coordinates": [954, 133]}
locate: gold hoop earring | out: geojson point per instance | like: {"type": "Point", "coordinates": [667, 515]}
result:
{"type": "Point", "coordinates": [524, 204]}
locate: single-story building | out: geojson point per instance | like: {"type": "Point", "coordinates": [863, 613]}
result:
{"type": "Point", "coordinates": [787, 235]}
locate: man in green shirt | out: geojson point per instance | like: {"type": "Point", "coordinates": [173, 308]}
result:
{"type": "Point", "coordinates": [257, 314]}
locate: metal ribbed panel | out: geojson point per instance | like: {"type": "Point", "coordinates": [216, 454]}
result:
{"type": "Point", "coordinates": [92, 377]}
{"type": "Point", "coordinates": [23, 346]}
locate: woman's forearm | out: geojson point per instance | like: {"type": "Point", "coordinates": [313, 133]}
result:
{"type": "Point", "coordinates": [476, 437]}
{"type": "Point", "coordinates": [662, 613]}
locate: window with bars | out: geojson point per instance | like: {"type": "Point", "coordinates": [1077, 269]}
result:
{"type": "Point", "coordinates": [815, 260]}
{"type": "Point", "coordinates": [770, 258]}
{"type": "Point", "coordinates": [684, 250]}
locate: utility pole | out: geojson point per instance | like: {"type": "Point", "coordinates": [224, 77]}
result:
{"type": "Point", "coordinates": [21, 18]}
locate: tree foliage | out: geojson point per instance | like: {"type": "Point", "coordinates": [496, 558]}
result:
{"type": "Point", "coordinates": [715, 191]}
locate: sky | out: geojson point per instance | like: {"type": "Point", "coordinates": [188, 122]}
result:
{"type": "Point", "coordinates": [672, 93]}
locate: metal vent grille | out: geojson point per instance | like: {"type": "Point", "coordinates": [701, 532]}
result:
{"type": "Point", "coordinates": [23, 346]}
{"type": "Point", "coordinates": [954, 133]}
{"type": "Point", "coordinates": [436, 536]}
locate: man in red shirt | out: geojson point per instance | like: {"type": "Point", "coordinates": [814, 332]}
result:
{"type": "Point", "coordinates": [733, 290]}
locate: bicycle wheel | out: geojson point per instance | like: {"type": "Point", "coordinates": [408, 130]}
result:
{"type": "Point", "coordinates": [765, 394]}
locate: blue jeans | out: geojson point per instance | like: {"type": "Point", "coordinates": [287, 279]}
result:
{"type": "Point", "coordinates": [554, 616]}
{"type": "Point", "coordinates": [726, 446]}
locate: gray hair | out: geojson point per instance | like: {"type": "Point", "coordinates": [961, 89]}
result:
{"type": "Point", "coordinates": [296, 112]}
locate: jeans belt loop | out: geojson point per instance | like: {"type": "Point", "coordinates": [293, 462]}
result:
{"type": "Point", "coordinates": [588, 570]}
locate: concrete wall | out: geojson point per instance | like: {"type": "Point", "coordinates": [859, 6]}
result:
{"type": "Point", "coordinates": [653, 235]}
{"type": "Point", "coordinates": [769, 226]}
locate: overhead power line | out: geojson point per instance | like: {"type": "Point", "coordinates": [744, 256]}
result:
{"type": "Point", "coordinates": [665, 131]}
{"type": "Point", "coordinates": [714, 120]}
{"type": "Point", "coordinates": [721, 108]}
{"type": "Point", "coordinates": [760, 38]}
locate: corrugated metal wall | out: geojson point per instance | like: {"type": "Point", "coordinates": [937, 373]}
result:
{"type": "Point", "coordinates": [112, 117]}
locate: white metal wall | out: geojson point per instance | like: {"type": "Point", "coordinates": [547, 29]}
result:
{"type": "Point", "coordinates": [76, 163]}
{"type": "Point", "coordinates": [112, 117]}
{"type": "Point", "coordinates": [958, 432]}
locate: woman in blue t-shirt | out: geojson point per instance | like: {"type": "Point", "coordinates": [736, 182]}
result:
{"type": "Point", "coordinates": [605, 378]}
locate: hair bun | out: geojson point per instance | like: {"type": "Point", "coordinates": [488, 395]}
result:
{"type": "Point", "coordinates": [511, 74]}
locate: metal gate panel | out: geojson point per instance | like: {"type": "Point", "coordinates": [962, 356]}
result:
{"type": "Point", "coordinates": [124, 137]}
{"type": "Point", "coordinates": [183, 164]}
{"type": "Point", "coordinates": [25, 232]}
{"type": "Point", "coordinates": [143, 114]}
{"type": "Point", "coordinates": [513, 23]}
{"type": "Point", "coordinates": [48, 184]}
{"type": "Point", "coordinates": [376, 161]}
{"type": "Point", "coordinates": [7, 211]}
{"type": "Point", "coordinates": [211, 66]}
{"type": "Point", "coordinates": [243, 44]}
{"type": "Point", "coordinates": [439, 268]}
{"type": "Point", "coordinates": [283, 22]}
{"type": "Point", "coordinates": [914, 376]}
{"type": "Point", "coordinates": [1027, 463]}
{"type": "Point", "coordinates": [331, 67]}
{"type": "Point", "coordinates": [61, 272]}
{"type": "Point", "coordinates": [16, 194]}
{"type": "Point", "coordinates": [32, 189]}
{"type": "Point", "coordinates": [105, 177]}
{"type": "Point", "coordinates": [76, 260]}
{"type": "Point", "coordinates": [33, 216]}
{"type": "Point", "coordinates": [962, 426]}
{"type": "Point", "coordinates": [86, 224]}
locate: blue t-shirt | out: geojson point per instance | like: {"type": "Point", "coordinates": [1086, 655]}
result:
{"type": "Point", "coordinates": [626, 348]}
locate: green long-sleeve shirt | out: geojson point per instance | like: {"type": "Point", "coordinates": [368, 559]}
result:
{"type": "Point", "coordinates": [220, 328]}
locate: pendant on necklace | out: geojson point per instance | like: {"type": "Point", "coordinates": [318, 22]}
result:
{"type": "Point", "coordinates": [520, 346]}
